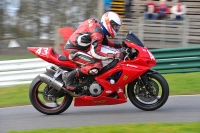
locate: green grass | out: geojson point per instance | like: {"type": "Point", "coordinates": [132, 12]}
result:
{"type": "Point", "coordinates": [180, 84]}
{"type": "Point", "coordinates": [14, 95]}
{"type": "Point", "coordinates": [183, 83]}
{"type": "Point", "coordinates": [17, 57]}
{"type": "Point", "coordinates": [192, 127]}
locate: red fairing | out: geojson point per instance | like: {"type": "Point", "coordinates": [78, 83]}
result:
{"type": "Point", "coordinates": [127, 71]}
{"type": "Point", "coordinates": [47, 54]}
{"type": "Point", "coordinates": [145, 57]}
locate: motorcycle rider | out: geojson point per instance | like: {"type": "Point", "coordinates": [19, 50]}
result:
{"type": "Point", "coordinates": [90, 36]}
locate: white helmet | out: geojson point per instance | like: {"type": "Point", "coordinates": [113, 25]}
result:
{"type": "Point", "coordinates": [112, 22]}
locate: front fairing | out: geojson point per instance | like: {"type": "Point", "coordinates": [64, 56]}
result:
{"type": "Point", "coordinates": [144, 56]}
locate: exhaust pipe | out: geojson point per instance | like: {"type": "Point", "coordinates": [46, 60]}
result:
{"type": "Point", "coordinates": [55, 84]}
{"type": "Point", "coordinates": [51, 82]}
{"type": "Point", "coordinates": [51, 70]}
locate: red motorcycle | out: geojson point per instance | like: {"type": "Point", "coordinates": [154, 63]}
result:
{"type": "Point", "coordinates": [131, 77]}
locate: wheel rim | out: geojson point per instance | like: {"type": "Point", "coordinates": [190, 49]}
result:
{"type": "Point", "coordinates": [148, 96]}
{"type": "Point", "coordinates": [47, 103]}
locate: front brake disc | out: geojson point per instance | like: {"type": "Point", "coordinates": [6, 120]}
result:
{"type": "Point", "coordinates": [148, 95]}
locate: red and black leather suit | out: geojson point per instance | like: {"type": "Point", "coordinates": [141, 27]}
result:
{"type": "Point", "coordinates": [89, 36]}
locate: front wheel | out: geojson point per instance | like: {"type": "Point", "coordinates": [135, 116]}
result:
{"type": "Point", "coordinates": [48, 100]}
{"type": "Point", "coordinates": [150, 95]}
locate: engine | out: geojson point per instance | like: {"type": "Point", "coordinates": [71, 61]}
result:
{"type": "Point", "coordinates": [95, 89]}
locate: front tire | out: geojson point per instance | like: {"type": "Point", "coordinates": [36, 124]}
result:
{"type": "Point", "coordinates": [154, 98]}
{"type": "Point", "coordinates": [43, 103]}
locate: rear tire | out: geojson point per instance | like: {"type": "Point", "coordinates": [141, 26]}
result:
{"type": "Point", "coordinates": [140, 100]}
{"type": "Point", "coordinates": [39, 104]}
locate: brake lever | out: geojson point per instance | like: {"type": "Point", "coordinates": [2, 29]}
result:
{"type": "Point", "coordinates": [127, 51]}
{"type": "Point", "coordinates": [127, 54]}
{"type": "Point", "coordinates": [125, 58]}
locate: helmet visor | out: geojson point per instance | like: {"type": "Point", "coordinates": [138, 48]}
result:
{"type": "Point", "coordinates": [115, 26]}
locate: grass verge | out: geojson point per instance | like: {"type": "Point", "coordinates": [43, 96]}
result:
{"type": "Point", "coordinates": [14, 95]}
{"type": "Point", "coordinates": [183, 83]}
{"type": "Point", "coordinates": [180, 84]}
{"type": "Point", "coordinates": [192, 127]}
{"type": "Point", "coordinates": [17, 57]}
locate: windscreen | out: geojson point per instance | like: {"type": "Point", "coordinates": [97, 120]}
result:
{"type": "Point", "coordinates": [133, 38]}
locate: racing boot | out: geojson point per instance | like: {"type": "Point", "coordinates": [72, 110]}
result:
{"type": "Point", "coordinates": [68, 78]}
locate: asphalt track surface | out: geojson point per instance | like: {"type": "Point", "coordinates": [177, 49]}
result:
{"type": "Point", "coordinates": [176, 109]}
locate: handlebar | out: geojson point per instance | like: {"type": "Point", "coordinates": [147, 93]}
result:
{"type": "Point", "coordinates": [130, 53]}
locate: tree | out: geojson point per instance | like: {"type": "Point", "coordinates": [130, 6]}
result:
{"type": "Point", "coordinates": [37, 17]}
{"type": "Point", "coordinates": [1, 18]}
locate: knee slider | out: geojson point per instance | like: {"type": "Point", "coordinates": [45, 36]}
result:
{"type": "Point", "coordinates": [93, 71]}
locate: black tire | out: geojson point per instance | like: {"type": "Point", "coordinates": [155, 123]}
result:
{"type": "Point", "coordinates": [37, 103]}
{"type": "Point", "coordinates": [159, 102]}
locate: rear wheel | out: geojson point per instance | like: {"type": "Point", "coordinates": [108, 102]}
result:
{"type": "Point", "coordinates": [149, 97]}
{"type": "Point", "coordinates": [48, 100]}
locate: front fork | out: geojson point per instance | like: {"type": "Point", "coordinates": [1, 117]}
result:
{"type": "Point", "coordinates": [144, 80]}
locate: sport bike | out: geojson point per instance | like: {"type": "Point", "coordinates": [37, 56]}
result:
{"type": "Point", "coordinates": [120, 80]}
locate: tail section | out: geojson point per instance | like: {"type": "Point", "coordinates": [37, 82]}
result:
{"type": "Point", "coordinates": [43, 52]}
{"type": "Point", "coordinates": [49, 55]}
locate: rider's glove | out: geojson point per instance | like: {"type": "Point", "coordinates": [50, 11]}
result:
{"type": "Point", "coordinates": [117, 45]}
{"type": "Point", "coordinates": [124, 44]}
